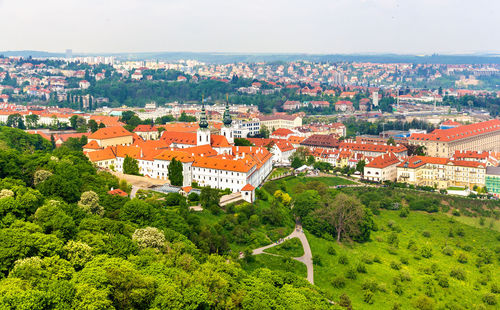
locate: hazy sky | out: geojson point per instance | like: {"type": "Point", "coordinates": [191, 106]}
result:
{"type": "Point", "coordinates": [269, 26]}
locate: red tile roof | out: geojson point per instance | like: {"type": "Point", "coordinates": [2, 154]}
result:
{"type": "Point", "coordinates": [145, 128]}
{"type": "Point", "coordinates": [118, 192]}
{"type": "Point", "coordinates": [460, 132]}
{"type": "Point", "coordinates": [383, 161]}
{"type": "Point", "coordinates": [247, 188]}
{"type": "Point", "coordinates": [110, 132]}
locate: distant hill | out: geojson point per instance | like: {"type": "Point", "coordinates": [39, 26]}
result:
{"type": "Point", "coordinates": [261, 57]}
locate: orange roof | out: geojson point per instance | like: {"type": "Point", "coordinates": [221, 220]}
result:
{"type": "Point", "coordinates": [467, 163]}
{"type": "Point", "coordinates": [186, 189]}
{"type": "Point", "coordinates": [247, 188]}
{"type": "Point", "coordinates": [284, 146]}
{"type": "Point", "coordinates": [282, 132]}
{"type": "Point", "coordinates": [145, 128]}
{"type": "Point", "coordinates": [178, 155]}
{"type": "Point", "coordinates": [241, 165]}
{"type": "Point", "coordinates": [118, 192]}
{"type": "Point", "coordinates": [180, 127]}
{"type": "Point", "coordinates": [460, 132]}
{"type": "Point", "coordinates": [433, 160]}
{"type": "Point", "coordinates": [131, 151]}
{"type": "Point", "coordinates": [295, 139]}
{"type": "Point", "coordinates": [100, 155]}
{"type": "Point", "coordinates": [92, 145]}
{"type": "Point", "coordinates": [179, 137]}
{"type": "Point", "coordinates": [110, 132]}
{"type": "Point", "coordinates": [371, 147]}
{"type": "Point", "coordinates": [219, 141]}
{"type": "Point", "coordinates": [202, 150]}
{"type": "Point", "coordinates": [383, 161]}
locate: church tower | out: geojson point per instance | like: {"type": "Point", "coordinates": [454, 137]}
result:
{"type": "Point", "coordinates": [227, 130]}
{"type": "Point", "coordinates": [203, 133]}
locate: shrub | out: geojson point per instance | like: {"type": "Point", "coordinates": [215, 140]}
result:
{"type": "Point", "coordinates": [368, 297]}
{"type": "Point", "coordinates": [345, 301]}
{"type": "Point", "coordinates": [395, 265]}
{"type": "Point", "coordinates": [490, 299]}
{"type": "Point", "coordinates": [458, 273]}
{"type": "Point", "coordinates": [370, 285]}
{"type": "Point", "coordinates": [396, 306]}
{"type": "Point", "coordinates": [343, 259]}
{"type": "Point", "coordinates": [442, 280]}
{"type": "Point", "coordinates": [317, 260]}
{"type": "Point", "coordinates": [405, 211]}
{"type": "Point", "coordinates": [361, 268]}
{"type": "Point", "coordinates": [460, 232]}
{"type": "Point", "coordinates": [351, 274]}
{"type": "Point", "coordinates": [447, 250]}
{"type": "Point", "coordinates": [398, 289]}
{"type": "Point", "coordinates": [404, 275]}
{"type": "Point", "coordinates": [412, 245]}
{"type": "Point", "coordinates": [481, 221]}
{"type": "Point", "coordinates": [426, 234]}
{"type": "Point", "coordinates": [462, 258]}
{"type": "Point", "coordinates": [424, 303]}
{"type": "Point", "coordinates": [495, 288]}
{"type": "Point", "coordinates": [404, 260]}
{"type": "Point", "coordinates": [426, 251]}
{"type": "Point", "coordinates": [393, 240]}
{"type": "Point", "coordinates": [376, 259]}
{"type": "Point", "coordinates": [455, 212]}
{"type": "Point", "coordinates": [338, 282]}
{"type": "Point", "coordinates": [367, 260]}
{"type": "Point", "coordinates": [331, 250]}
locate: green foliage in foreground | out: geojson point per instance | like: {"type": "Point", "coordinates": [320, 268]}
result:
{"type": "Point", "coordinates": [65, 243]}
{"type": "Point", "coordinates": [289, 248]}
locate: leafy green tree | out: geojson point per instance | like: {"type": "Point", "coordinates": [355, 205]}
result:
{"type": "Point", "coordinates": [186, 118]}
{"type": "Point", "coordinates": [32, 120]}
{"type": "Point", "coordinates": [92, 124]}
{"type": "Point", "coordinates": [131, 166]}
{"type": "Point", "coordinates": [209, 199]}
{"type": "Point", "coordinates": [306, 202]}
{"type": "Point", "coordinates": [16, 120]}
{"type": "Point", "coordinates": [242, 142]}
{"type": "Point", "coordinates": [149, 237]}
{"type": "Point", "coordinates": [175, 172]}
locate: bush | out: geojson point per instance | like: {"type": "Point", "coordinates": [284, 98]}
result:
{"type": "Point", "coordinates": [345, 301]}
{"type": "Point", "coordinates": [442, 280]}
{"type": "Point", "coordinates": [351, 274]}
{"type": "Point", "coordinates": [404, 275]}
{"type": "Point", "coordinates": [368, 297]}
{"type": "Point", "coordinates": [490, 299]}
{"type": "Point", "coordinates": [331, 251]}
{"type": "Point", "coordinates": [462, 258]}
{"type": "Point", "coordinates": [367, 260]}
{"type": "Point", "coordinates": [460, 232]}
{"type": "Point", "coordinates": [393, 240]}
{"type": "Point", "coordinates": [405, 211]}
{"type": "Point", "coordinates": [317, 260]}
{"type": "Point", "coordinates": [455, 212]}
{"type": "Point", "coordinates": [426, 251]}
{"type": "Point", "coordinates": [495, 288]}
{"type": "Point", "coordinates": [370, 285]}
{"type": "Point", "coordinates": [338, 282]}
{"type": "Point", "coordinates": [395, 265]}
{"type": "Point", "coordinates": [424, 303]}
{"type": "Point", "coordinates": [376, 259]}
{"type": "Point", "coordinates": [404, 260]}
{"type": "Point", "coordinates": [361, 268]}
{"type": "Point", "coordinates": [458, 273]}
{"type": "Point", "coordinates": [447, 250]}
{"type": "Point", "coordinates": [426, 234]}
{"type": "Point", "coordinates": [343, 259]}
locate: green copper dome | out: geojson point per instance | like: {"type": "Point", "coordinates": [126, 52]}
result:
{"type": "Point", "coordinates": [227, 117]}
{"type": "Point", "coordinates": [203, 117]}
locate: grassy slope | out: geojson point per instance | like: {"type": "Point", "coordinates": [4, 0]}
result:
{"type": "Point", "coordinates": [459, 292]}
{"type": "Point", "coordinates": [291, 182]}
{"type": "Point", "coordinates": [289, 248]}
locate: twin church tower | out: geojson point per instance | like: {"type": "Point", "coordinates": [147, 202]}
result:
{"type": "Point", "coordinates": [203, 133]}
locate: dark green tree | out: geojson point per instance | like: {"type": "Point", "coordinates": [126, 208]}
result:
{"type": "Point", "coordinates": [130, 166]}
{"type": "Point", "coordinates": [175, 172]}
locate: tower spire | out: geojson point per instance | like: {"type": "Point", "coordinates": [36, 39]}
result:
{"type": "Point", "coordinates": [227, 120]}
{"type": "Point", "coordinates": [203, 116]}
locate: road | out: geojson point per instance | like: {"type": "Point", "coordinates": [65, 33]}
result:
{"type": "Point", "coordinates": [306, 259]}
{"type": "Point", "coordinates": [134, 191]}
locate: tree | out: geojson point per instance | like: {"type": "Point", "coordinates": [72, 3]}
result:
{"type": "Point", "coordinates": [93, 125]}
{"type": "Point", "coordinates": [360, 166]}
{"type": "Point", "coordinates": [242, 142]}
{"type": "Point", "coordinates": [264, 132]}
{"type": "Point", "coordinates": [72, 121]}
{"type": "Point", "coordinates": [16, 121]}
{"type": "Point", "coordinates": [89, 202]}
{"type": "Point", "coordinates": [391, 141]}
{"type": "Point", "coordinates": [32, 120]}
{"type": "Point", "coordinates": [52, 141]}
{"type": "Point", "coordinates": [130, 166]}
{"type": "Point", "coordinates": [149, 237]}
{"type": "Point", "coordinates": [175, 172]}
{"type": "Point", "coordinates": [209, 198]}
{"type": "Point", "coordinates": [345, 214]}
{"type": "Point", "coordinates": [186, 118]}
{"type": "Point", "coordinates": [306, 202]}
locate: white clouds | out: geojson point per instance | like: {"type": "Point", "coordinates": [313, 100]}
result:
{"type": "Point", "coordinates": [316, 26]}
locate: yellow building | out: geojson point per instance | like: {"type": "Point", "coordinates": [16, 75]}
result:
{"type": "Point", "coordinates": [111, 136]}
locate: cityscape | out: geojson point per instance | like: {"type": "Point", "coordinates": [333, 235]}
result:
{"type": "Point", "coordinates": [212, 179]}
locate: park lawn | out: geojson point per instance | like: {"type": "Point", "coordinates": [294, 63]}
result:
{"type": "Point", "coordinates": [289, 248]}
{"type": "Point", "coordinates": [291, 182]}
{"type": "Point", "coordinates": [468, 293]}
{"type": "Point", "coordinates": [489, 223]}
{"type": "Point", "coordinates": [275, 263]}
{"type": "Point", "coordinates": [278, 171]}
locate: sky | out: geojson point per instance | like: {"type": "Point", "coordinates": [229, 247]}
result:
{"type": "Point", "coordinates": [257, 26]}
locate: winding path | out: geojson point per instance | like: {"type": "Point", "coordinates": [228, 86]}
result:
{"type": "Point", "coordinates": [306, 258]}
